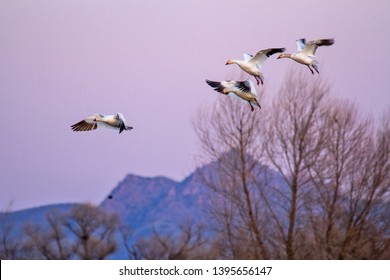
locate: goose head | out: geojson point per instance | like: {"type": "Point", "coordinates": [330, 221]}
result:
{"type": "Point", "coordinates": [229, 62]}
{"type": "Point", "coordinates": [284, 55]}
{"type": "Point", "coordinates": [97, 118]}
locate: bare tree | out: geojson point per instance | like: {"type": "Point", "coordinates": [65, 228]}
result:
{"type": "Point", "coordinates": [188, 243]}
{"type": "Point", "coordinates": [8, 245]}
{"type": "Point", "coordinates": [128, 239]}
{"type": "Point", "coordinates": [11, 244]}
{"type": "Point", "coordinates": [86, 232]}
{"type": "Point", "coordinates": [292, 137]}
{"type": "Point", "coordinates": [346, 135]}
{"type": "Point", "coordinates": [367, 189]}
{"type": "Point", "coordinates": [351, 182]}
{"type": "Point", "coordinates": [334, 164]}
{"type": "Point", "coordinates": [94, 231]}
{"type": "Point", "coordinates": [228, 134]}
{"type": "Point", "coordinates": [51, 242]}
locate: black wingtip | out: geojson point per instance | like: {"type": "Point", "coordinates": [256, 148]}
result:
{"type": "Point", "coordinates": [74, 127]}
{"type": "Point", "coordinates": [275, 50]}
{"type": "Point", "coordinates": [329, 42]}
{"type": "Point", "coordinates": [210, 83]}
{"type": "Point", "coordinates": [215, 85]}
{"type": "Point", "coordinates": [325, 42]}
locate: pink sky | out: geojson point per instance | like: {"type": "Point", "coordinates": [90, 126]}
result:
{"type": "Point", "coordinates": [61, 61]}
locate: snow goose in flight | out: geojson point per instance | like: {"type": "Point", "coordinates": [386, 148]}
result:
{"type": "Point", "coordinates": [111, 121]}
{"type": "Point", "coordinates": [243, 89]}
{"type": "Point", "coordinates": [306, 52]}
{"type": "Point", "coordinates": [252, 64]}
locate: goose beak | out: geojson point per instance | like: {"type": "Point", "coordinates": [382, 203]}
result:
{"type": "Point", "coordinates": [228, 62]}
{"type": "Point", "coordinates": [280, 56]}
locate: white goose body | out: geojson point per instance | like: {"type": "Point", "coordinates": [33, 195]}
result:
{"type": "Point", "coordinates": [252, 64]}
{"type": "Point", "coordinates": [305, 53]}
{"type": "Point", "coordinates": [250, 68]}
{"type": "Point", "coordinates": [117, 122]}
{"type": "Point", "coordinates": [243, 89]}
{"type": "Point", "coordinates": [302, 59]}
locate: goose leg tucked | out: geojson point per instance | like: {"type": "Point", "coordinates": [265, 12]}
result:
{"type": "Point", "coordinates": [257, 103]}
{"type": "Point", "coordinates": [311, 70]}
{"type": "Point", "coordinates": [250, 104]}
{"type": "Point", "coordinates": [315, 68]}
{"type": "Point", "coordinates": [261, 80]}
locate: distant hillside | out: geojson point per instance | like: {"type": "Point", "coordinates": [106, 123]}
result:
{"type": "Point", "coordinates": [144, 203]}
{"type": "Point", "coordinates": [160, 202]}
{"type": "Point", "coordinates": [36, 215]}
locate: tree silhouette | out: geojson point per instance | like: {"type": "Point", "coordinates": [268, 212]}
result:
{"type": "Point", "coordinates": [86, 232]}
{"type": "Point", "coordinates": [334, 162]}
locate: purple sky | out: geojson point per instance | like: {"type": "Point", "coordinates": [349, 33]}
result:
{"type": "Point", "coordinates": [61, 61]}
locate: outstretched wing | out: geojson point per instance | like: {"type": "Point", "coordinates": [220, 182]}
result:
{"type": "Point", "coordinates": [311, 47]}
{"type": "Point", "coordinates": [122, 126]}
{"type": "Point", "coordinates": [122, 122]}
{"type": "Point", "coordinates": [218, 86]}
{"type": "Point", "coordinates": [251, 86]}
{"type": "Point", "coordinates": [85, 125]}
{"type": "Point", "coordinates": [301, 44]}
{"type": "Point", "coordinates": [263, 55]}
{"type": "Point", "coordinates": [247, 56]}
{"type": "Point", "coordinates": [244, 86]}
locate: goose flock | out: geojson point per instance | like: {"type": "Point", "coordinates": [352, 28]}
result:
{"type": "Point", "coordinates": [305, 55]}
{"type": "Point", "coordinates": [245, 90]}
